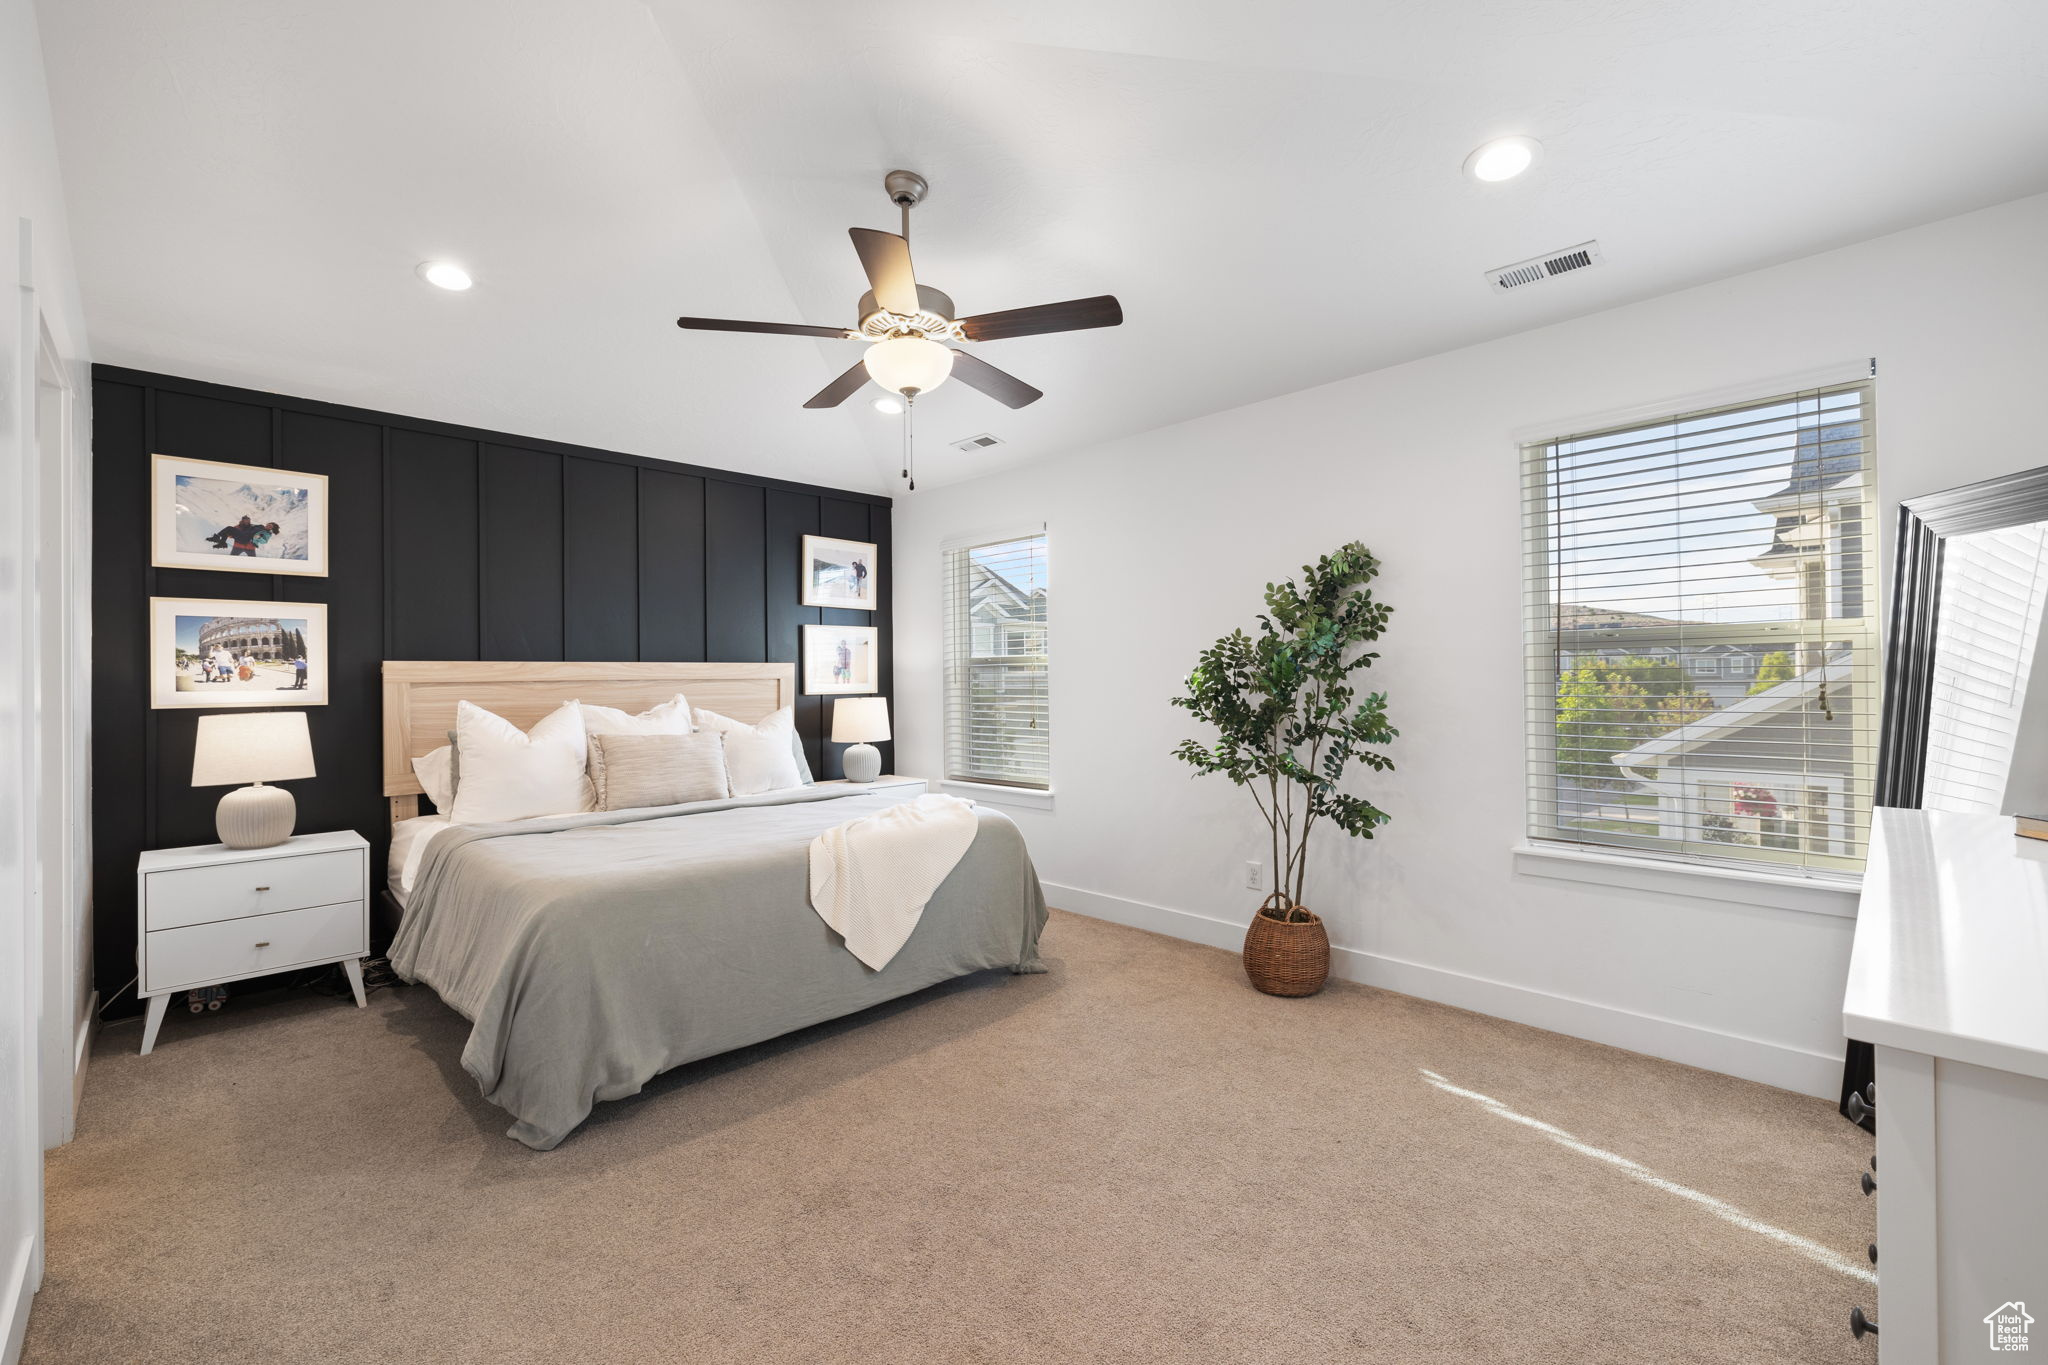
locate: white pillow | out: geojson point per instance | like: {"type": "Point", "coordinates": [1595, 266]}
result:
{"type": "Point", "coordinates": [758, 758]}
{"type": "Point", "coordinates": [436, 772]}
{"type": "Point", "coordinates": [510, 774]}
{"type": "Point", "coordinates": [672, 717]}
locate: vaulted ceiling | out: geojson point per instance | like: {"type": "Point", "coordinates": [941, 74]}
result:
{"type": "Point", "coordinates": [1272, 190]}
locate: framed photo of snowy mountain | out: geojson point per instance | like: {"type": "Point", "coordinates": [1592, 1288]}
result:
{"type": "Point", "coordinates": [237, 518]}
{"type": "Point", "coordinates": [213, 653]}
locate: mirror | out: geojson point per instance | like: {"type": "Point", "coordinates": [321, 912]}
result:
{"type": "Point", "coordinates": [1966, 698]}
{"type": "Point", "coordinates": [1987, 717]}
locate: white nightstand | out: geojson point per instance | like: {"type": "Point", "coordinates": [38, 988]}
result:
{"type": "Point", "coordinates": [213, 914]}
{"type": "Point", "coordinates": [887, 782]}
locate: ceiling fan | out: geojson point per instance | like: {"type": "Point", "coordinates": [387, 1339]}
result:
{"type": "Point", "coordinates": [911, 329]}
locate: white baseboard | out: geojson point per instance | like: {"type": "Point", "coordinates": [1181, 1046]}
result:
{"type": "Point", "coordinates": [81, 1056]}
{"type": "Point", "coordinates": [1731, 1054]}
{"type": "Point", "coordinates": [16, 1291]}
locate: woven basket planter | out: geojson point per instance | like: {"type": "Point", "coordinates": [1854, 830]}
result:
{"type": "Point", "coordinates": [1284, 958]}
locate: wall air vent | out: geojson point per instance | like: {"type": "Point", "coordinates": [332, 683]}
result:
{"type": "Point", "coordinates": [1524, 273]}
{"type": "Point", "coordinates": [974, 443]}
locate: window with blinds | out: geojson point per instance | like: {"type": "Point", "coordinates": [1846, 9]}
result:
{"type": "Point", "coordinates": [1703, 657]}
{"type": "Point", "coordinates": [997, 720]}
{"type": "Point", "coordinates": [1992, 586]}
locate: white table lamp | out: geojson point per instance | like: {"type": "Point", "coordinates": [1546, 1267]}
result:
{"type": "Point", "coordinates": [859, 721]}
{"type": "Point", "coordinates": [254, 747]}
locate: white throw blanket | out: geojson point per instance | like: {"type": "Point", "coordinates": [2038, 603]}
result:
{"type": "Point", "coordinates": [871, 877]}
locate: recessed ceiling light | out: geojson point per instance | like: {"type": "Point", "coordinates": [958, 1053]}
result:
{"type": "Point", "coordinates": [445, 275]}
{"type": "Point", "coordinates": [1504, 158]}
{"type": "Point", "coordinates": [889, 406]}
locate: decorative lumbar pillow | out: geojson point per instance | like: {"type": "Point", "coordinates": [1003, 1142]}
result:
{"type": "Point", "coordinates": [627, 771]}
{"type": "Point", "coordinates": [514, 774]}
{"type": "Point", "coordinates": [758, 758]}
{"type": "Point", "coordinates": [672, 717]}
{"type": "Point", "coordinates": [436, 772]}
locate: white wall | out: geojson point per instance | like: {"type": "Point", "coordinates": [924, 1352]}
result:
{"type": "Point", "coordinates": [44, 437]}
{"type": "Point", "coordinates": [1163, 541]}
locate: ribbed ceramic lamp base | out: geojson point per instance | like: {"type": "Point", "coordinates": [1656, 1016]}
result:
{"type": "Point", "coordinates": [256, 817]}
{"type": "Point", "coordinates": [862, 763]}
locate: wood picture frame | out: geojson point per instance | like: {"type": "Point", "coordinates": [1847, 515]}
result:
{"type": "Point", "coordinates": [219, 654]}
{"type": "Point", "coordinates": [840, 573]}
{"type": "Point", "coordinates": [198, 506]}
{"type": "Point", "coordinates": [841, 661]}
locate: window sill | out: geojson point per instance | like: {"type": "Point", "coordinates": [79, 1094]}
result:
{"type": "Point", "coordinates": [1677, 879]}
{"type": "Point", "coordinates": [989, 793]}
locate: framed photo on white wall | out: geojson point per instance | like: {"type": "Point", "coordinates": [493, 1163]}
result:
{"type": "Point", "coordinates": [841, 573]}
{"type": "Point", "coordinates": [237, 518]}
{"type": "Point", "coordinates": [213, 653]}
{"type": "Point", "coordinates": [839, 660]}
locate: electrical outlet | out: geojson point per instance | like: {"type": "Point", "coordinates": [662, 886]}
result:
{"type": "Point", "coordinates": [1254, 875]}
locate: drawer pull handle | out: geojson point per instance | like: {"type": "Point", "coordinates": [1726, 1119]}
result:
{"type": "Point", "coordinates": [262, 888]}
{"type": "Point", "coordinates": [264, 944]}
{"type": "Point", "coordinates": [1869, 1185]}
{"type": "Point", "coordinates": [1860, 1326]}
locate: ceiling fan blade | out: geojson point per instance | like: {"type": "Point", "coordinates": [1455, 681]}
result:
{"type": "Point", "coordinates": [1072, 316]}
{"type": "Point", "coordinates": [840, 389]}
{"type": "Point", "coordinates": [1006, 389]}
{"type": "Point", "coordinates": [787, 329]}
{"type": "Point", "coordinates": [886, 258]}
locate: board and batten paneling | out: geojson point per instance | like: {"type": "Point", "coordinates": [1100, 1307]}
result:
{"type": "Point", "coordinates": [447, 542]}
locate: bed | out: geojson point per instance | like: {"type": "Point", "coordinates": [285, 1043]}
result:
{"type": "Point", "coordinates": [592, 952]}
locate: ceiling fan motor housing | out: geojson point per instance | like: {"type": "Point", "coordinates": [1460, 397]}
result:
{"type": "Point", "coordinates": [935, 315]}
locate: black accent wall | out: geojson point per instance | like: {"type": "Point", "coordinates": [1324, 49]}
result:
{"type": "Point", "coordinates": [446, 542]}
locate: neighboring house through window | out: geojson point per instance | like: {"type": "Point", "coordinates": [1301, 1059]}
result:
{"type": "Point", "coordinates": [1702, 634]}
{"type": "Point", "coordinates": [998, 722]}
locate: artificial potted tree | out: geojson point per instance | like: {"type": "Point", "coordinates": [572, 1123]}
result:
{"type": "Point", "coordinates": [1287, 728]}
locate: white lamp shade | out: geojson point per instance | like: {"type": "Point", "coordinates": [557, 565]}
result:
{"type": "Point", "coordinates": [254, 746]}
{"type": "Point", "coordinates": [860, 720]}
{"type": "Point", "coordinates": [908, 364]}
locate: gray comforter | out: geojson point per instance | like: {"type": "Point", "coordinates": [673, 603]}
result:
{"type": "Point", "coordinates": [594, 951]}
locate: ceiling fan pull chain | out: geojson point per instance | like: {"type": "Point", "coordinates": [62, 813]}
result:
{"type": "Point", "coordinates": [909, 437]}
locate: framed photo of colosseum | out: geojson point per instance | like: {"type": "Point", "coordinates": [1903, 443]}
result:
{"type": "Point", "coordinates": [215, 653]}
{"type": "Point", "coordinates": [235, 518]}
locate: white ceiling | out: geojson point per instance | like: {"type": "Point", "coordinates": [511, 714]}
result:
{"type": "Point", "coordinates": [1273, 190]}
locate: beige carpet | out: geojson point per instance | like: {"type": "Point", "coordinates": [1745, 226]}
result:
{"type": "Point", "coordinates": [1134, 1158]}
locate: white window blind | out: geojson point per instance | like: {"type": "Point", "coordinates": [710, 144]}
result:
{"type": "Point", "coordinates": [998, 726]}
{"type": "Point", "coordinates": [1991, 597]}
{"type": "Point", "coordinates": [1702, 614]}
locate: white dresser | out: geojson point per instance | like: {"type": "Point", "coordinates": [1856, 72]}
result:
{"type": "Point", "coordinates": [1949, 979]}
{"type": "Point", "coordinates": [213, 914]}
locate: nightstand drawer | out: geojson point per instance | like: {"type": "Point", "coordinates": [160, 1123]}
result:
{"type": "Point", "coordinates": [257, 886]}
{"type": "Point", "coordinates": [204, 953]}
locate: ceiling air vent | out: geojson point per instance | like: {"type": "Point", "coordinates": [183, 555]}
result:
{"type": "Point", "coordinates": [1524, 273]}
{"type": "Point", "coordinates": [974, 443]}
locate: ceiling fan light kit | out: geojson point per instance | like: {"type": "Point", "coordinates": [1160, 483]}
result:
{"type": "Point", "coordinates": [913, 336]}
{"type": "Point", "coordinates": [908, 364]}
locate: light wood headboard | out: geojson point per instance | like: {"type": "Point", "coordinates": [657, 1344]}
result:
{"type": "Point", "coordinates": [420, 697]}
